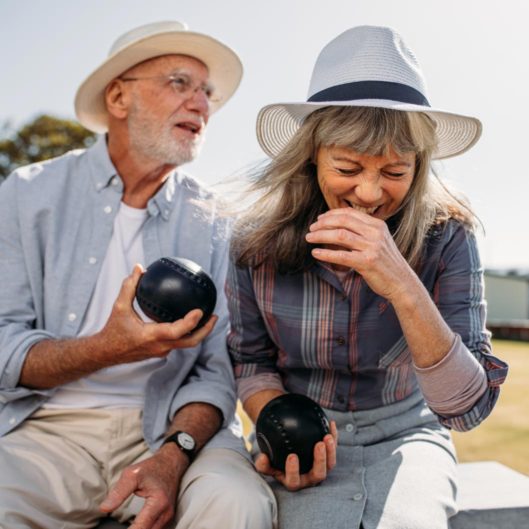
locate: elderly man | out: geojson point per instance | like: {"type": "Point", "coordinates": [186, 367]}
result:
{"type": "Point", "coordinates": [102, 411]}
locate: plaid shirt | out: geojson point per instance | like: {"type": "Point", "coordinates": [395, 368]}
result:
{"type": "Point", "coordinates": [342, 344]}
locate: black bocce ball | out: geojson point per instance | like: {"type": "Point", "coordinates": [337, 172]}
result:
{"type": "Point", "coordinates": [291, 424]}
{"type": "Point", "coordinates": [172, 286]}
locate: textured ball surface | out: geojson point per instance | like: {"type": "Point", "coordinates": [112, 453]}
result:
{"type": "Point", "coordinates": [172, 286]}
{"type": "Point", "coordinates": [291, 424]}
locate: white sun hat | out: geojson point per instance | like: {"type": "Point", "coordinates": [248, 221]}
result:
{"type": "Point", "coordinates": [149, 41]}
{"type": "Point", "coordinates": [367, 66]}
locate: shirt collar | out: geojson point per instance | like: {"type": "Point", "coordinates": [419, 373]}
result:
{"type": "Point", "coordinates": [103, 172]}
{"type": "Point", "coordinates": [162, 201]}
{"type": "Point", "coordinates": [325, 271]}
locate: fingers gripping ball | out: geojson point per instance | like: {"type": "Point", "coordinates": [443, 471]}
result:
{"type": "Point", "coordinates": [172, 286]}
{"type": "Point", "coordinates": [291, 424]}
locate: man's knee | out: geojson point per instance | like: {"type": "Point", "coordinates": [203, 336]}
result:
{"type": "Point", "coordinates": [229, 489]}
{"type": "Point", "coordinates": [244, 502]}
{"type": "Point", "coordinates": [43, 482]}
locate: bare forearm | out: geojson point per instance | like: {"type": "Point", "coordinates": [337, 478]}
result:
{"type": "Point", "coordinates": [51, 363]}
{"type": "Point", "coordinates": [427, 334]}
{"type": "Point", "coordinates": [199, 419]}
{"type": "Point", "coordinates": [125, 338]}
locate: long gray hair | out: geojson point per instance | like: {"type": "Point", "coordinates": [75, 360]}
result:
{"type": "Point", "coordinates": [274, 226]}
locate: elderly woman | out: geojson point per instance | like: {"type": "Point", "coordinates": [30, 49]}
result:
{"type": "Point", "coordinates": [356, 281]}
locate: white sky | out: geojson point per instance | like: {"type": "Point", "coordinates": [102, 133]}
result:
{"type": "Point", "coordinates": [473, 54]}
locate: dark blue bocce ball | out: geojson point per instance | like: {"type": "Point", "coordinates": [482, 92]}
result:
{"type": "Point", "coordinates": [291, 424]}
{"type": "Point", "coordinates": [172, 286]}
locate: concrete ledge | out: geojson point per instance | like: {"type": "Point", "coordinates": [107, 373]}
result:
{"type": "Point", "coordinates": [491, 496]}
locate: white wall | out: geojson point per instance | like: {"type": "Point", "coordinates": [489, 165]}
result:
{"type": "Point", "coordinates": [507, 298]}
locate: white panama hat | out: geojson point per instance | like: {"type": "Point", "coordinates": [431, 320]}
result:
{"type": "Point", "coordinates": [368, 66]}
{"type": "Point", "coordinates": [149, 41]}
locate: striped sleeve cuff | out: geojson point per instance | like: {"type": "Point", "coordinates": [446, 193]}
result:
{"type": "Point", "coordinates": [247, 386]}
{"type": "Point", "coordinates": [452, 386]}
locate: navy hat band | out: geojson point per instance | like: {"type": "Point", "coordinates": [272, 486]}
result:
{"type": "Point", "coordinates": [371, 90]}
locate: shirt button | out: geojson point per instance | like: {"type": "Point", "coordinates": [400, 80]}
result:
{"type": "Point", "coordinates": [151, 208]}
{"type": "Point", "coordinates": [115, 181]}
{"type": "Point", "coordinates": [349, 427]}
{"type": "Point", "coordinates": [340, 399]}
{"type": "Point", "coordinates": [107, 209]}
{"type": "Point", "coordinates": [72, 316]}
{"type": "Point", "coordinates": [12, 420]}
{"type": "Point", "coordinates": [340, 340]}
{"type": "Point", "coordinates": [92, 260]}
{"type": "Point", "coordinates": [358, 496]}
{"type": "Point", "coordinates": [344, 297]}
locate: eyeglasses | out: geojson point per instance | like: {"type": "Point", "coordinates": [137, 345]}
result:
{"type": "Point", "coordinates": [182, 84]}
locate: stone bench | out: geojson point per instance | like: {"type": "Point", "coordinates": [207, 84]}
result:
{"type": "Point", "coordinates": [491, 496]}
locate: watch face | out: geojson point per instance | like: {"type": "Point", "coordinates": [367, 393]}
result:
{"type": "Point", "coordinates": [186, 441]}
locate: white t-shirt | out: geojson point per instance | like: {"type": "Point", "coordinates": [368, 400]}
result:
{"type": "Point", "coordinates": [121, 385]}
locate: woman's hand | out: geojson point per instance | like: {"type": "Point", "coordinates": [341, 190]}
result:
{"type": "Point", "coordinates": [356, 240]}
{"type": "Point", "coordinates": [324, 462]}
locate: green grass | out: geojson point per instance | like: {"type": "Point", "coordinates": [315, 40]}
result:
{"type": "Point", "coordinates": [504, 435]}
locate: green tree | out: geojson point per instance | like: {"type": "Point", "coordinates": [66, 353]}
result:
{"type": "Point", "coordinates": [42, 139]}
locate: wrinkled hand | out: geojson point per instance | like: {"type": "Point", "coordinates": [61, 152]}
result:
{"type": "Point", "coordinates": [127, 338]}
{"type": "Point", "coordinates": [364, 244]}
{"type": "Point", "coordinates": [156, 479]}
{"type": "Point", "coordinates": [324, 462]}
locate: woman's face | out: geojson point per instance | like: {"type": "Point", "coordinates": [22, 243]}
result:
{"type": "Point", "coordinates": [376, 185]}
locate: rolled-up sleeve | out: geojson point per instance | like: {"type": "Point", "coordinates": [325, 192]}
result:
{"type": "Point", "coordinates": [459, 295]}
{"type": "Point", "coordinates": [253, 353]}
{"type": "Point", "coordinates": [210, 379]}
{"type": "Point", "coordinates": [17, 309]}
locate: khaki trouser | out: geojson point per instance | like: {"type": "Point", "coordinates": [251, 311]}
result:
{"type": "Point", "coordinates": [57, 467]}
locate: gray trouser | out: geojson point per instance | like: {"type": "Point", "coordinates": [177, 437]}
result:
{"type": "Point", "coordinates": [57, 467]}
{"type": "Point", "coordinates": [395, 470]}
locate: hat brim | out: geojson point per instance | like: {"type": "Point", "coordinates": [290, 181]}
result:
{"type": "Point", "coordinates": [277, 124]}
{"type": "Point", "coordinates": [224, 66]}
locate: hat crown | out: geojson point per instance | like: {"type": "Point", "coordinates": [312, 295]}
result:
{"type": "Point", "coordinates": [366, 66]}
{"type": "Point", "coordinates": [366, 53]}
{"type": "Point", "coordinates": [148, 42]}
{"type": "Point", "coordinates": [144, 31]}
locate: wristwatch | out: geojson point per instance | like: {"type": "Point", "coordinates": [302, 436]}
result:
{"type": "Point", "coordinates": [185, 442]}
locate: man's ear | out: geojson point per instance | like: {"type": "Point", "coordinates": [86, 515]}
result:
{"type": "Point", "coordinates": [117, 99]}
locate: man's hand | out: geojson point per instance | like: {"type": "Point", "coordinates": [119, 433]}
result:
{"type": "Point", "coordinates": [156, 479]}
{"type": "Point", "coordinates": [124, 338]}
{"type": "Point", "coordinates": [129, 339]}
{"type": "Point", "coordinates": [324, 462]}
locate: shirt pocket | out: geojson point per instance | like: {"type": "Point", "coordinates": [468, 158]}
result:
{"type": "Point", "coordinates": [398, 355]}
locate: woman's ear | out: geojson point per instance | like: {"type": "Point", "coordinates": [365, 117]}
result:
{"type": "Point", "coordinates": [117, 99]}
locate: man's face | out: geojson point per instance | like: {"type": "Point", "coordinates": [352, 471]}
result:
{"type": "Point", "coordinates": [170, 108]}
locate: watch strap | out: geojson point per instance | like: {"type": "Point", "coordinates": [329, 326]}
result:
{"type": "Point", "coordinates": [175, 438]}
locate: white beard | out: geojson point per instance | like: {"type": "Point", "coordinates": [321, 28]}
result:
{"type": "Point", "coordinates": [155, 140]}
